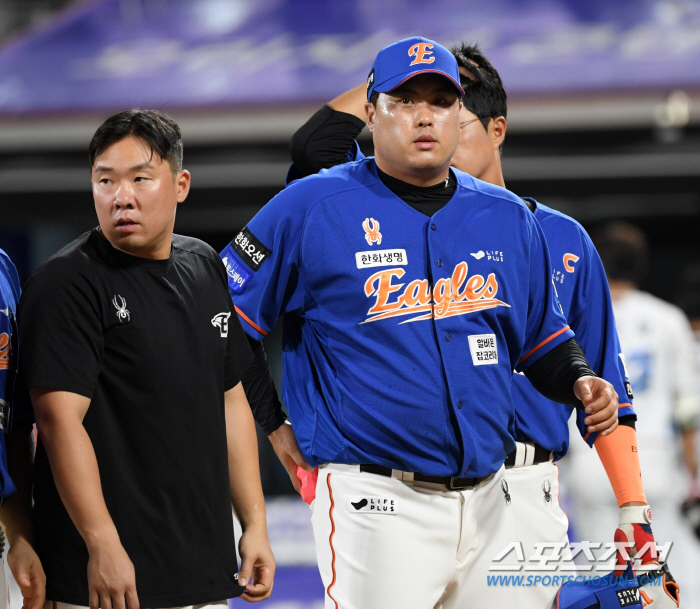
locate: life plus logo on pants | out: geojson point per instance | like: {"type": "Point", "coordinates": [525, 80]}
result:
{"type": "Point", "coordinates": [372, 505]}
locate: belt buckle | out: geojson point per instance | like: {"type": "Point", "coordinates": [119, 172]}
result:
{"type": "Point", "coordinates": [458, 487]}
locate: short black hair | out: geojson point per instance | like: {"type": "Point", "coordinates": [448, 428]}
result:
{"type": "Point", "coordinates": [624, 251]}
{"type": "Point", "coordinates": [159, 131]}
{"type": "Point", "coordinates": [485, 97]}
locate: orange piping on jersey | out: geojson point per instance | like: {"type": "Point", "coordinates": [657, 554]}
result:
{"type": "Point", "coordinates": [618, 454]}
{"type": "Point", "coordinates": [244, 316]}
{"type": "Point", "coordinates": [330, 539]}
{"type": "Point", "coordinates": [543, 343]}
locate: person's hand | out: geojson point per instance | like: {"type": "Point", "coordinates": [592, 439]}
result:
{"type": "Point", "coordinates": [257, 565]}
{"type": "Point", "coordinates": [287, 450]}
{"type": "Point", "coordinates": [111, 577]}
{"type": "Point", "coordinates": [634, 536]}
{"type": "Point", "coordinates": [28, 572]}
{"type": "Point", "coordinates": [599, 400]}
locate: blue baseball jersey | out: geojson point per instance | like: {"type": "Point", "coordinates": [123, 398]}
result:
{"type": "Point", "coordinates": [401, 331]}
{"type": "Point", "coordinates": [9, 298]}
{"type": "Point", "coordinates": [582, 287]}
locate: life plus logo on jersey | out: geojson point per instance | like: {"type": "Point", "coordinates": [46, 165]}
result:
{"type": "Point", "coordinates": [493, 255]}
{"type": "Point", "coordinates": [459, 294]}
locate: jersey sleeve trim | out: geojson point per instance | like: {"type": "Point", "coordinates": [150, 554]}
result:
{"type": "Point", "coordinates": [247, 319]}
{"type": "Point", "coordinates": [543, 343]}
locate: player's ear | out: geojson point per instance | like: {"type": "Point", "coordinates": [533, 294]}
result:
{"type": "Point", "coordinates": [182, 181]}
{"type": "Point", "coordinates": [497, 128]}
{"type": "Point", "coordinates": [371, 111]}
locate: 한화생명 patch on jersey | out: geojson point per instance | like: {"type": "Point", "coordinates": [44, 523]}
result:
{"type": "Point", "coordinates": [484, 349]}
{"type": "Point", "coordinates": [238, 275]}
{"type": "Point", "coordinates": [249, 248]}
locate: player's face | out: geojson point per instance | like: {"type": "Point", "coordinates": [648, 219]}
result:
{"type": "Point", "coordinates": [475, 150]}
{"type": "Point", "coordinates": [416, 129]}
{"type": "Point", "coordinates": [478, 151]}
{"type": "Point", "coordinates": [136, 196]}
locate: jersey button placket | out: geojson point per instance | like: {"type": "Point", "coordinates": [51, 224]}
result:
{"type": "Point", "coordinates": [448, 337]}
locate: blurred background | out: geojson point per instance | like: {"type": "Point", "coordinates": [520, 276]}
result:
{"type": "Point", "coordinates": [603, 123]}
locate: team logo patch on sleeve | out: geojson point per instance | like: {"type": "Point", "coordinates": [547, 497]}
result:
{"type": "Point", "coordinates": [238, 275]}
{"type": "Point", "coordinates": [569, 260]}
{"type": "Point", "coordinates": [484, 349]}
{"type": "Point", "coordinates": [249, 248]}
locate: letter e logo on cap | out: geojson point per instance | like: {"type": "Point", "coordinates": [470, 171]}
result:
{"type": "Point", "coordinates": [421, 52]}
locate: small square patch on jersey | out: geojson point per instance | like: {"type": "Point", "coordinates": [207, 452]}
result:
{"type": "Point", "coordinates": [372, 505]}
{"type": "Point", "coordinates": [628, 597]}
{"type": "Point", "coordinates": [249, 248]}
{"type": "Point", "coordinates": [484, 349]}
{"type": "Point", "coordinates": [367, 260]}
{"type": "Point", "coordinates": [238, 275]}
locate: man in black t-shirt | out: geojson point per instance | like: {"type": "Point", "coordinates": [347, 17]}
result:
{"type": "Point", "coordinates": [134, 358]}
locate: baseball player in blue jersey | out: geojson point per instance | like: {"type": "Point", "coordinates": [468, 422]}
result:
{"type": "Point", "coordinates": [539, 426]}
{"type": "Point", "coordinates": [16, 444]}
{"type": "Point", "coordinates": [401, 335]}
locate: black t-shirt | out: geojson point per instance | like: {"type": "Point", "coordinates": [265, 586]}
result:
{"type": "Point", "coordinates": [154, 344]}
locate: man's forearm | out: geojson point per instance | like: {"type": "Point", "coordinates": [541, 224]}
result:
{"type": "Point", "coordinates": [243, 464]}
{"type": "Point", "coordinates": [555, 373]}
{"type": "Point", "coordinates": [352, 102]}
{"type": "Point", "coordinates": [15, 513]}
{"type": "Point", "coordinates": [260, 391]}
{"type": "Point", "coordinates": [74, 466]}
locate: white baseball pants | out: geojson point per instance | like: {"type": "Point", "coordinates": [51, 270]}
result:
{"type": "Point", "coordinates": [384, 544]}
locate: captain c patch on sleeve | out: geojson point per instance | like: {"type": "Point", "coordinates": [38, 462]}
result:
{"type": "Point", "coordinates": [249, 248]}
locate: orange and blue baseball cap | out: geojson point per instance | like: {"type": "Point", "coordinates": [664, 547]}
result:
{"type": "Point", "coordinates": [407, 58]}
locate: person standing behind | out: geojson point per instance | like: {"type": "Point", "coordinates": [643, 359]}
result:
{"type": "Point", "coordinates": [133, 361]}
{"type": "Point", "coordinates": [16, 446]}
{"type": "Point", "coordinates": [660, 359]}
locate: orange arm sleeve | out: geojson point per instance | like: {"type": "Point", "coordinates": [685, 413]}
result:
{"type": "Point", "coordinates": [619, 456]}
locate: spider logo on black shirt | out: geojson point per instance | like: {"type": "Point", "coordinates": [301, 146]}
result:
{"type": "Point", "coordinates": [120, 305]}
